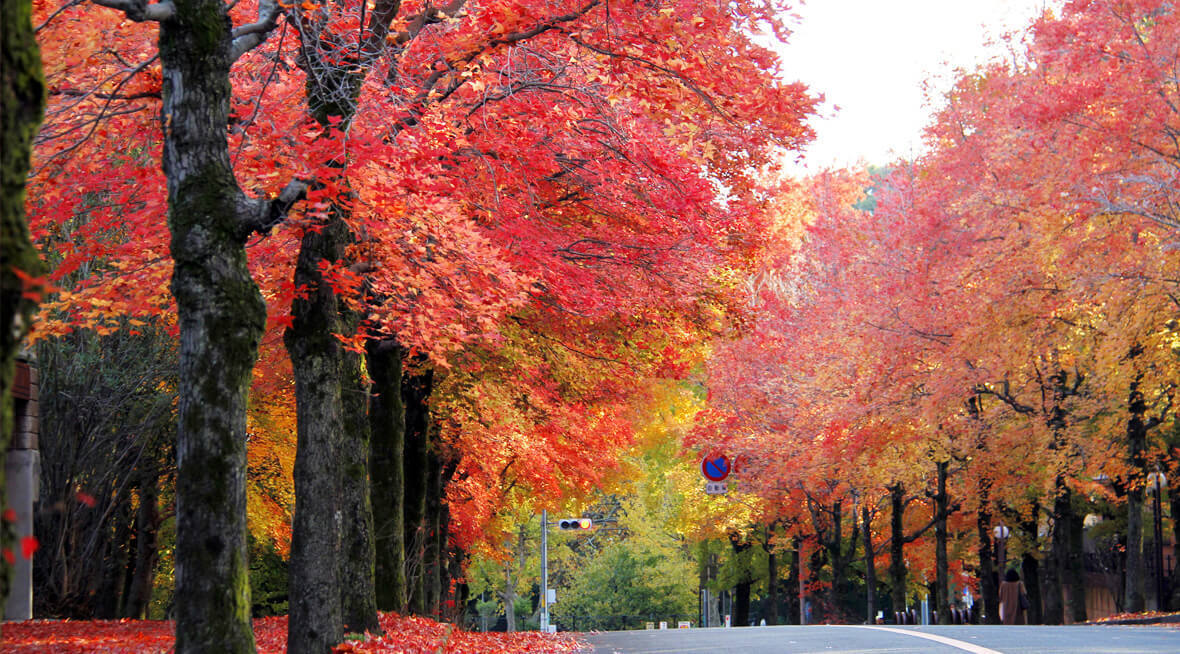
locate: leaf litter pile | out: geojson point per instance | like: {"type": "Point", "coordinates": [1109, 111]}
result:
{"type": "Point", "coordinates": [403, 635]}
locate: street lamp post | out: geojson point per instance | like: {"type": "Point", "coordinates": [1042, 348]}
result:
{"type": "Point", "coordinates": [1156, 481]}
{"type": "Point", "coordinates": [1001, 533]}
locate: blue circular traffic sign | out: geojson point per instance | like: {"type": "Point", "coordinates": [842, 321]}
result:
{"type": "Point", "coordinates": [715, 468]}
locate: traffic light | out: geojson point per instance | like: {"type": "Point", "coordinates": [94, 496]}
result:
{"type": "Point", "coordinates": [573, 524]}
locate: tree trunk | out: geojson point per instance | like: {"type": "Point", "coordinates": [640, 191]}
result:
{"type": "Point", "coordinates": [358, 598]}
{"type": "Point", "coordinates": [22, 105]}
{"type": "Point", "coordinates": [1030, 566]}
{"type": "Point", "coordinates": [416, 391]}
{"type": "Point", "coordinates": [147, 523]}
{"type": "Point", "coordinates": [1136, 448]}
{"type": "Point", "coordinates": [794, 590]}
{"type": "Point", "coordinates": [941, 572]}
{"type": "Point", "coordinates": [1059, 555]}
{"type": "Point", "coordinates": [432, 555]}
{"type": "Point", "coordinates": [316, 621]}
{"type": "Point", "coordinates": [221, 317]}
{"type": "Point", "coordinates": [1076, 568]}
{"type": "Point", "coordinates": [388, 422]}
{"type": "Point", "coordinates": [866, 520]}
{"type": "Point", "coordinates": [509, 596]}
{"type": "Point", "coordinates": [988, 575]}
{"type": "Point", "coordinates": [771, 614]}
{"type": "Point", "coordinates": [897, 571]}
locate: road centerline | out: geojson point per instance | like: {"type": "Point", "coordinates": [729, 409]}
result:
{"type": "Point", "coordinates": [960, 644]}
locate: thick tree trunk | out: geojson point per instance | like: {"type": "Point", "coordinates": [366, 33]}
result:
{"type": "Point", "coordinates": [897, 571]}
{"type": "Point", "coordinates": [358, 597]}
{"type": "Point", "coordinates": [416, 391]}
{"type": "Point", "coordinates": [866, 520]}
{"type": "Point", "coordinates": [22, 104]}
{"type": "Point", "coordinates": [388, 422]}
{"type": "Point", "coordinates": [221, 317]}
{"type": "Point", "coordinates": [317, 357]}
{"type": "Point", "coordinates": [941, 567]}
{"type": "Point", "coordinates": [988, 576]}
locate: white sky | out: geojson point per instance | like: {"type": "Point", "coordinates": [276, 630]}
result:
{"type": "Point", "coordinates": [871, 58]}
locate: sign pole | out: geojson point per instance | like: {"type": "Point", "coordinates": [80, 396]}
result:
{"type": "Point", "coordinates": [544, 571]}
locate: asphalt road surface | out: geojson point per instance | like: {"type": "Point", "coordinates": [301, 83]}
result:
{"type": "Point", "coordinates": [894, 640]}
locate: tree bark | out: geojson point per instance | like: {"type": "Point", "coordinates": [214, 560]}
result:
{"type": "Point", "coordinates": [1059, 555]}
{"type": "Point", "coordinates": [897, 571]}
{"type": "Point", "coordinates": [772, 616]}
{"type": "Point", "coordinates": [1076, 568]}
{"type": "Point", "coordinates": [1136, 448]}
{"type": "Point", "coordinates": [316, 621]}
{"type": "Point", "coordinates": [416, 391]}
{"type": "Point", "coordinates": [1030, 566]}
{"type": "Point", "coordinates": [146, 545]}
{"type": "Point", "coordinates": [866, 520]}
{"type": "Point", "coordinates": [941, 572]}
{"type": "Point", "coordinates": [358, 597]}
{"type": "Point", "coordinates": [221, 317]}
{"type": "Point", "coordinates": [388, 422]}
{"type": "Point", "coordinates": [988, 576]}
{"type": "Point", "coordinates": [793, 588]}
{"type": "Point", "coordinates": [22, 105]}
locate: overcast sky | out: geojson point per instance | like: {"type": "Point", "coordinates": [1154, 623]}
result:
{"type": "Point", "coordinates": [870, 58]}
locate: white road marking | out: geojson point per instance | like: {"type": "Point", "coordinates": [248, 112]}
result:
{"type": "Point", "coordinates": [961, 644]}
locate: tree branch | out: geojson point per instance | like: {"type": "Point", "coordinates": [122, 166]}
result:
{"type": "Point", "coordinates": [251, 35]}
{"type": "Point", "coordinates": [262, 215]}
{"type": "Point", "coordinates": [139, 10]}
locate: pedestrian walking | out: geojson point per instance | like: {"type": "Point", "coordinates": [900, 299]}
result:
{"type": "Point", "coordinates": [1013, 599]}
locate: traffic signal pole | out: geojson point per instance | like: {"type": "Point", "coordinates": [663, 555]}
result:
{"type": "Point", "coordinates": [544, 571]}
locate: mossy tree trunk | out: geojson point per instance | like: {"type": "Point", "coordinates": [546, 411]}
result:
{"type": "Point", "coordinates": [317, 356]}
{"type": "Point", "coordinates": [22, 105]}
{"type": "Point", "coordinates": [387, 421]}
{"type": "Point", "coordinates": [221, 316]}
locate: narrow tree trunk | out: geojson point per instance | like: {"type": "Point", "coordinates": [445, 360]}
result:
{"type": "Point", "coordinates": [416, 391]}
{"type": "Point", "coordinates": [509, 596]}
{"type": "Point", "coordinates": [772, 588]}
{"type": "Point", "coordinates": [1136, 447]}
{"type": "Point", "coordinates": [988, 576]}
{"type": "Point", "coordinates": [358, 598]}
{"type": "Point", "coordinates": [1058, 556]}
{"type": "Point", "coordinates": [431, 585]}
{"type": "Point", "coordinates": [1076, 568]}
{"type": "Point", "coordinates": [316, 623]}
{"type": "Point", "coordinates": [1030, 567]}
{"type": "Point", "coordinates": [897, 571]}
{"type": "Point", "coordinates": [221, 318]}
{"type": "Point", "coordinates": [941, 567]}
{"type": "Point", "coordinates": [388, 422]}
{"type": "Point", "coordinates": [866, 520]}
{"type": "Point", "coordinates": [22, 104]}
{"type": "Point", "coordinates": [793, 587]}
{"type": "Point", "coordinates": [147, 522]}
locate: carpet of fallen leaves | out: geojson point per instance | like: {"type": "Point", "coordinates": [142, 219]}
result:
{"type": "Point", "coordinates": [403, 635]}
{"type": "Point", "coordinates": [1143, 616]}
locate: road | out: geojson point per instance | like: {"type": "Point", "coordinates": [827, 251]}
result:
{"type": "Point", "coordinates": [893, 640]}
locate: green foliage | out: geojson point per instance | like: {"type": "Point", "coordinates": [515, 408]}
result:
{"type": "Point", "coordinates": [268, 580]}
{"type": "Point", "coordinates": [632, 578]}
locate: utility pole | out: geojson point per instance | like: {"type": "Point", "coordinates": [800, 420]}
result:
{"type": "Point", "coordinates": [544, 571]}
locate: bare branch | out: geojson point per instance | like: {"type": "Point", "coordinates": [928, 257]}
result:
{"type": "Point", "coordinates": [251, 35]}
{"type": "Point", "coordinates": [261, 216]}
{"type": "Point", "coordinates": [139, 10]}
